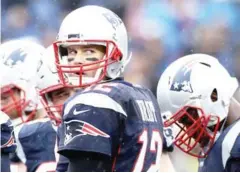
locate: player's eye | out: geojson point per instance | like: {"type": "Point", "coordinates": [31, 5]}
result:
{"type": "Point", "coordinates": [62, 94]}
{"type": "Point", "coordinates": [5, 97]}
{"type": "Point", "coordinates": [89, 51]}
{"type": "Point", "coordinates": [71, 52]}
{"type": "Point", "coordinates": [65, 94]}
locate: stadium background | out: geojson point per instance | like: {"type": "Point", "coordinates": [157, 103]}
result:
{"type": "Point", "coordinates": [159, 32]}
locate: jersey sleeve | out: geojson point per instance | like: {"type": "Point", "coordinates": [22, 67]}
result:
{"type": "Point", "coordinates": [91, 123]}
{"type": "Point", "coordinates": [7, 138]}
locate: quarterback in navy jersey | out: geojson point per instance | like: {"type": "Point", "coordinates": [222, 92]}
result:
{"type": "Point", "coordinates": [200, 100]}
{"type": "Point", "coordinates": [110, 125]}
{"type": "Point", "coordinates": [122, 124]}
{"type": "Point", "coordinates": [7, 141]}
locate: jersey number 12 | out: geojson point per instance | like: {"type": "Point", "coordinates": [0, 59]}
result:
{"type": "Point", "coordinates": [155, 147]}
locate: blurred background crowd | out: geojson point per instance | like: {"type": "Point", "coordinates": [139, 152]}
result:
{"type": "Point", "coordinates": [159, 30]}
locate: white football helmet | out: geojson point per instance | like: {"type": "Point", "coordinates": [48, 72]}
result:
{"type": "Point", "coordinates": [48, 82]}
{"type": "Point", "coordinates": [92, 25]}
{"type": "Point", "coordinates": [20, 60]}
{"type": "Point", "coordinates": [194, 94]}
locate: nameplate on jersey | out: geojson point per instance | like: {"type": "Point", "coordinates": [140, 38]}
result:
{"type": "Point", "coordinates": [147, 110]}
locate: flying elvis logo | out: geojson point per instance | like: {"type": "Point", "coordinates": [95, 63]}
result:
{"type": "Point", "coordinates": [181, 81]}
{"type": "Point", "coordinates": [16, 57]}
{"type": "Point", "coordinates": [76, 128]}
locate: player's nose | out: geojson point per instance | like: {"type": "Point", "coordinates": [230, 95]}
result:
{"type": "Point", "coordinates": [79, 60]}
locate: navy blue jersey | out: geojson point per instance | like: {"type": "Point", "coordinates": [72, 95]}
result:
{"type": "Point", "coordinates": [7, 142]}
{"type": "Point", "coordinates": [62, 164]}
{"type": "Point", "coordinates": [7, 138]}
{"type": "Point", "coordinates": [116, 119]}
{"type": "Point", "coordinates": [225, 153]}
{"type": "Point", "coordinates": [36, 142]}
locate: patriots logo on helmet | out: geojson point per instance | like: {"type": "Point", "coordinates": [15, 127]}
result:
{"type": "Point", "coordinates": [15, 57]}
{"type": "Point", "coordinates": [113, 19]}
{"type": "Point", "coordinates": [181, 81]}
{"type": "Point", "coordinates": [76, 128]}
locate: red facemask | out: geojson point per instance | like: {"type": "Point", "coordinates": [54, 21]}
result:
{"type": "Point", "coordinates": [17, 104]}
{"type": "Point", "coordinates": [54, 112]}
{"type": "Point", "coordinates": [194, 136]}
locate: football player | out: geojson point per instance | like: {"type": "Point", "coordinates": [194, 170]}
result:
{"type": "Point", "coordinates": [111, 125]}
{"type": "Point", "coordinates": [200, 100]}
{"type": "Point", "coordinates": [53, 94]}
{"type": "Point", "coordinates": [19, 99]}
{"type": "Point", "coordinates": [7, 141]}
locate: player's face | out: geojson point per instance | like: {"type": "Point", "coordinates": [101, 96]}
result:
{"type": "Point", "coordinates": [8, 99]}
{"type": "Point", "coordinates": [58, 97]}
{"type": "Point", "coordinates": [84, 54]}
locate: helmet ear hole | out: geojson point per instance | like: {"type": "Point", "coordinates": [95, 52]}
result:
{"type": "Point", "coordinates": [214, 95]}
